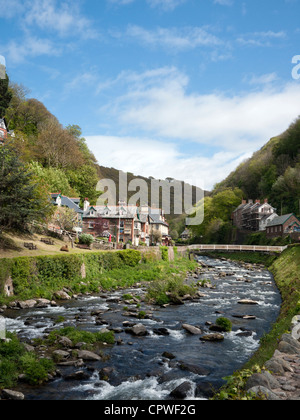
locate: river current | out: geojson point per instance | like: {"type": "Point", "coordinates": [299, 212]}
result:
{"type": "Point", "coordinates": [138, 368]}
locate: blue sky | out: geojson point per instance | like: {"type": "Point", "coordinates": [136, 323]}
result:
{"type": "Point", "coordinates": [179, 88]}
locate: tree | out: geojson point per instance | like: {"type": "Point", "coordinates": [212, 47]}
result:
{"type": "Point", "coordinates": [65, 218]}
{"type": "Point", "coordinates": [57, 147]}
{"type": "Point", "coordinates": [55, 180]}
{"type": "Point", "coordinates": [22, 198]}
{"type": "Point", "coordinates": [5, 96]}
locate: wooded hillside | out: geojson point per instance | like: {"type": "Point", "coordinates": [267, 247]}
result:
{"type": "Point", "coordinates": [273, 172]}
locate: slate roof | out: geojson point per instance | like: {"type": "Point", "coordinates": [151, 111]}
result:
{"type": "Point", "coordinates": [280, 220]}
{"type": "Point", "coordinates": [67, 202]}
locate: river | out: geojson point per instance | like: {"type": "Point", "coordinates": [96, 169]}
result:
{"type": "Point", "coordinates": [139, 369]}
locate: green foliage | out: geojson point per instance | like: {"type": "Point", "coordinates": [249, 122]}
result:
{"type": "Point", "coordinates": [86, 239]}
{"type": "Point", "coordinates": [169, 285]}
{"type": "Point", "coordinates": [130, 257]}
{"type": "Point", "coordinates": [15, 360]}
{"type": "Point", "coordinates": [235, 387]}
{"type": "Point", "coordinates": [80, 336]}
{"type": "Point", "coordinates": [164, 253]}
{"type": "Point", "coordinates": [5, 96]}
{"type": "Point", "coordinates": [273, 172]}
{"type": "Point", "coordinates": [21, 199]}
{"type": "Point", "coordinates": [54, 179]}
{"type": "Point", "coordinates": [36, 370]}
{"type": "Point", "coordinates": [42, 276]}
{"type": "Point", "coordinates": [224, 323]}
{"type": "Point", "coordinates": [217, 227]}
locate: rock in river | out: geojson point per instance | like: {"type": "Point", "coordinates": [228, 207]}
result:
{"type": "Point", "coordinates": [212, 337]}
{"type": "Point", "coordinates": [248, 302]}
{"type": "Point", "coordinates": [138, 330]}
{"type": "Point", "coordinates": [191, 329]}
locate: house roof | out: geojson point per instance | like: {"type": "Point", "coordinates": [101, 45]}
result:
{"type": "Point", "coordinates": [280, 220]}
{"type": "Point", "coordinates": [66, 202]}
{"type": "Point", "coordinates": [155, 219]}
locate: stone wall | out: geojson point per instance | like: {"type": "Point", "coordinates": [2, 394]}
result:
{"type": "Point", "coordinates": [281, 379]}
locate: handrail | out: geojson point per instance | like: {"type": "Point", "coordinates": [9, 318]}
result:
{"type": "Point", "coordinates": [241, 248]}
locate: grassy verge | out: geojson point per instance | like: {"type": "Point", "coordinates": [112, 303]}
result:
{"type": "Point", "coordinates": [286, 271]}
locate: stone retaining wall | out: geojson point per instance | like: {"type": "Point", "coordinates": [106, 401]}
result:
{"type": "Point", "coordinates": [281, 379]}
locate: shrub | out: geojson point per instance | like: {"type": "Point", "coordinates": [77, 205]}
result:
{"type": "Point", "coordinates": [224, 323]}
{"type": "Point", "coordinates": [86, 239]}
{"type": "Point", "coordinates": [164, 253]}
{"type": "Point", "coordinates": [131, 257]}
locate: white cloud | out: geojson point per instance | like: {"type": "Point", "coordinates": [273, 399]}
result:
{"type": "Point", "coordinates": [224, 2]}
{"type": "Point", "coordinates": [17, 52]}
{"type": "Point", "coordinates": [174, 38]}
{"type": "Point", "coordinates": [221, 129]}
{"type": "Point", "coordinates": [63, 18]}
{"type": "Point", "coordinates": [148, 157]}
{"type": "Point", "coordinates": [166, 5]}
{"type": "Point", "coordinates": [158, 104]}
{"type": "Point", "coordinates": [261, 39]}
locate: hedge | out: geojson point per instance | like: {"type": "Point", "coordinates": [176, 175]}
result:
{"type": "Point", "coordinates": [41, 276]}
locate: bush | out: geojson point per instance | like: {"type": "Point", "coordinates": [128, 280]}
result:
{"type": "Point", "coordinates": [131, 257]}
{"type": "Point", "coordinates": [224, 323]}
{"type": "Point", "coordinates": [86, 239]}
{"type": "Point", "coordinates": [15, 360]}
{"type": "Point", "coordinates": [164, 253]}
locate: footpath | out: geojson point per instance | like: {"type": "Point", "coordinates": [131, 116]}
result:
{"type": "Point", "coordinates": [284, 381]}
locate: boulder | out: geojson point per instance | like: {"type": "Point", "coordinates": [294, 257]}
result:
{"type": "Point", "coordinates": [191, 329]}
{"type": "Point", "coordinates": [257, 379]}
{"type": "Point", "coordinates": [161, 331]}
{"type": "Point", "coordinates": [248, 302]}
{"type": "Point", "coordinates": [65, 342]}
{"type": "Point", "coordinates": [60, 355]}
{"type": "Point", "coordinates": [81, 375]}
{"type": "Point", "coordinates": [61, 295]}
{"type": "Point", "coordinates": [296, 332]}
{"type": "Point", "coordinates": [88, 355]}
{"type": "Point", "coordinates": [182, 391]}
{"type": "Point", "coordinates": [12, 395]}
{"type": "Point", "coordinates": [198, 370]}
{"type": "Point", "coordinates": [168, 355]}
{"type": "Point", "coordinates": [265, 393]}
{"type": "Point", "coordinates": [27, 304]}
{"type": "Point", "coordinates": [138, 330]}
{"type": "Point", "coordinates": [212, 337]}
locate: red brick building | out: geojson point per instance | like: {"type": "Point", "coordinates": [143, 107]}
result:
{"type": "Point", "coordinates": [283, 225]}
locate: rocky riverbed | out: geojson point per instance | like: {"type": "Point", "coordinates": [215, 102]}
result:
{"type": "Point", "coordinates": [174, 351]}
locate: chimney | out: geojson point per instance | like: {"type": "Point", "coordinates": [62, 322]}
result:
{"type": "Point", "coordinates": [244, 201]}
{"type": "Point", "coordinates": [266, 201]}
{"type": "Point", "coordinates": [257, 201]}
{"type": "Point", "coordinates": [86, 205]}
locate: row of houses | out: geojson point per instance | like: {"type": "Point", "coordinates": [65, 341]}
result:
{"type": "Point", "coordinates": [122, 223]}
{"type": "Point", "coordinates": [256, 216]}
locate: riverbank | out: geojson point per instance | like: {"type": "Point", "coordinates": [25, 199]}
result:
{"type": "Point", "coordinates": [286, 272]}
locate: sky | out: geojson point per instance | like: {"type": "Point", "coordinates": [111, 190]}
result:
{"type": "Point", "coordinates": [165, 88]}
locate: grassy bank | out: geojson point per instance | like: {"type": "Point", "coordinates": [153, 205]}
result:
{"type": "Point", "coordinates": [286, 271]}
